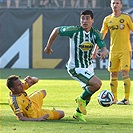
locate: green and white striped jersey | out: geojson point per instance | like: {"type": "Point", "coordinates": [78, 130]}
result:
{"type": "Point", "coordinates": [82, 44]}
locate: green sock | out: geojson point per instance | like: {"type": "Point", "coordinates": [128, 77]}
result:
{"type": "Point", "coordinates": [86, 93]}
{"type": "Point", "coordinates": [87, 102]}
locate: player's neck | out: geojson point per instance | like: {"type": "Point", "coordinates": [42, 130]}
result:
{"type": "Point", "coordinates": [14, 94]}
{"type": "Point", "coordinates": [87, 29]}
{"type": "Point", "coordinates": [116, 13]}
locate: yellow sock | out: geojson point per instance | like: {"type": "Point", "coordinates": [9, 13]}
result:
{"type": "Point", "coordinates": [127, 86]}
{"type": "Point", "coordinates": [113, 86]}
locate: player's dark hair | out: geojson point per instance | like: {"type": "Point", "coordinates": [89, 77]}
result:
{"type": "Point", "coordinates": [87, 12]}
{"type": "Point", "coordinates": [10, 80]}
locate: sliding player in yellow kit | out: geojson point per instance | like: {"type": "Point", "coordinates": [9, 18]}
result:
{"type": "Point", "coordinates": [29, 108]}
{"type": "Point", "coordinates": [119, 24]}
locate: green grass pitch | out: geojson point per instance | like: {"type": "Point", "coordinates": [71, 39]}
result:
{"type": "Point", "coordinates": [61, 92]}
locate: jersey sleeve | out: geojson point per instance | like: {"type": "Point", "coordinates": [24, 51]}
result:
{"type": "Point", "coordinates": [68, 30]}
{"type": "Point", "coordinates": [99, 41]}
{"type": "Point", "coordinates": [15, 105]}
{"type": "Point", "coordinates": [130, 22]}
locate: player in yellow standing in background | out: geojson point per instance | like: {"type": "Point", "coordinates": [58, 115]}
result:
{"type": "Point", "coordinates": [119, 24]}
{"type": "Point", "coordinates": [29, 108]}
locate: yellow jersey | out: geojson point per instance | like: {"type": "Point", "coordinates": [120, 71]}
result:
{"type": "Point", "coordinates": [119, 28]}
{"type": "Point", "coordinates": [22, 104]}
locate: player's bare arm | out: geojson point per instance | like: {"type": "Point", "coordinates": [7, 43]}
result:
{"type": "Point", "coordinates": [103, 35]}
{"type": "Point", "coordinates": [21, 117]}
{"type": "Point", "coordinates": [31, 80]}
{"type": "Point", "coordinates": [52, 37]}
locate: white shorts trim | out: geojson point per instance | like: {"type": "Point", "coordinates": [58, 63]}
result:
{"type": "Point", "coordinates": [82, 75]}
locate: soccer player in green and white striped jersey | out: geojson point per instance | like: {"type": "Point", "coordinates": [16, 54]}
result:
{"type": "Point", "coordinates": [83, 40]}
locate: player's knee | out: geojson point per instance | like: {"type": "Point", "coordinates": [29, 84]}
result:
{"type": "Point", "coordinates": [95, 83]}
{"type": "Point", "coordinates": [114, 75]}
{"type": "Point", "coordinates": [61, 114]}
{"type": "Point", "coordinates": [124, 73]}
{"type": "Point", "coordinates": [98, 85]}
{"type": "Point", "coordinates": [44, 92]}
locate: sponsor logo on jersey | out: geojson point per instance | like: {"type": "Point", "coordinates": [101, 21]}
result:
{"type": "Point", "coordinates": [122, 26]}
{"type": "Point", "coordinates": [85, 46]}
{"type": "Point", "coordinates": [121, 21]}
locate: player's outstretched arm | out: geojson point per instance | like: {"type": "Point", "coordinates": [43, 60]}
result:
{"type": "Point", "coordinates": [23, 118]}
{"type": "Point", "coordinates": [52, 37]}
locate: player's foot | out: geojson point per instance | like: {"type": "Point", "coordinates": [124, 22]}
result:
{"type": "Point", "coordinates": [81, 105]}
{"type": "Point", "coordinates": [123, 102]}
{"type": "Point", "coordinates": [115, 101]}
{"type": "Point", "coordinates": [78, 116]}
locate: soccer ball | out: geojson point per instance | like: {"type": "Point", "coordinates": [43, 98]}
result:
{"type": "Point", "coordinates": [106, 98]}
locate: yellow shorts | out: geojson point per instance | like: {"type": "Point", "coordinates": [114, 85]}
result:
{"type": "Point", "coordinates": [37, 99]}
{"type": "Point", "coordinates": [119, 61]}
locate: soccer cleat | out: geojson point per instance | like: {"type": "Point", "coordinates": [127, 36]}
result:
{"type": "Point", "coordinates": [81, 105]}
{"type": "Point", "coordinates": [123, 102]}
{"type": "Point", "coordinates": [78, 116]}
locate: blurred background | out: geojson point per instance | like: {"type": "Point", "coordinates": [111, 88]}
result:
{"type": "Point", "coordinates": [60, 3]}
{"type": "Point", "coordinates": [25, 26]}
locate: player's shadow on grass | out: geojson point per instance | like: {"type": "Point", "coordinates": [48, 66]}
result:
{"type": "Point", "coordinates": [95, 122]}
{"type": "Point", "coordinates": [4, 104]}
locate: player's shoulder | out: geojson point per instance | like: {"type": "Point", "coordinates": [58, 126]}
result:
{"type": "Point", "coordinates": [107, 17]}
{"type": "Point", "coordinates": [96, 31]}
{"type": "Point", "coordinates": [13, 100]}
{"type": "Point", "coordinates": [126, 15]}
{"type": "Point", "coordinates": [69, 28]}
